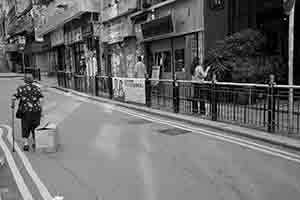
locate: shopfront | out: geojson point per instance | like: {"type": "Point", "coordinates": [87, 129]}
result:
{"type": "Point", "coordinates": [120, 44]}
{"type": "Point", "coordinates": [74, 49]}
{"type": "Point", "coordinates": [171, 52]}
{"type": "Point", "coordinates": [90, 34]}
{"type": "Point", "coordinates": [57, 54]}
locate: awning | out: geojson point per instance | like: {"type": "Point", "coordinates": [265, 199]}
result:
{"type": "Point", "coordinates": [159, 26]}
{"type": "Point", "coordinates": [171, 35]}
{"type": "Point", "coordinates": [37, 47]}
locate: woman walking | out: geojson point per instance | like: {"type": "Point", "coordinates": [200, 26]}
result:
{"type": "Point", "coordinates": [29, 110]}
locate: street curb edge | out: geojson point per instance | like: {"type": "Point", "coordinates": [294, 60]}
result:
{"type": "Point", "coordinates": [144, 110]}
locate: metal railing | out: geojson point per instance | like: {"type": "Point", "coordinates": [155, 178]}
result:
{"type": "Point", "coordinates": [104, 86]}
{"type": "Point", "coordinates": [261, 106]}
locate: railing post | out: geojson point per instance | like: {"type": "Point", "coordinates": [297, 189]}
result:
{"type": "Point", "coordinates": [39, 74]}
{"type": "Point", "coordinates": [214, 103]}
{"type": "Point", "coordinates": [148, 91]}
{"type": "Point", "coordinates": [110, 87]}
{"type": "Point", "coordinates": [271, 105]}
{"type": "Point", "coordinates": [96, 86]}
{"type": "Point", "coordinates": [175, 95]}
{"type": "Point", "coordinates": [65, 79]}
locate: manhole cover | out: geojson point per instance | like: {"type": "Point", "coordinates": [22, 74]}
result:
{"type": "Point", "coordinates": [173, 131]}
{"type": "Point", "coordinates": [138, 122]}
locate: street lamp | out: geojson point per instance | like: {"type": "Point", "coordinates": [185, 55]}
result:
{"type": "Point", "coordinates": [289, 9]}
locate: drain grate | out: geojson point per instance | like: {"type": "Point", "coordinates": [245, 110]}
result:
{"type": "Point", "coordinates": [173, 131]}
{"type": "Point", "coordinates": [138, 122]}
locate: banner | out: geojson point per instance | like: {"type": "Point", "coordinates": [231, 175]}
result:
{"type": "Point", "coordinates": [135, 90]}
{"type": "Point", "coordinates": [118, 88]}
{"type": "Point", "coordinates": [129, 90]}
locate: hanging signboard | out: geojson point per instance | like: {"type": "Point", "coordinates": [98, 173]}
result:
{"type": "Point", "coordinates": [22, 40]}
{"type": "Point", "coordinates": [77, 35]}
{"type": "Point", "coordinates": [96, 29]}
{"type": "Point", "coordinates": [155, 74]}
{"type": "Point", "coordinates": [57, 37]}
{"type": "Point", "coordinates": [87, 30]}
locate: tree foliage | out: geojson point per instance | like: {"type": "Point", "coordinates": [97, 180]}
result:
{"type": "Point", "coordinates": [244, 57]}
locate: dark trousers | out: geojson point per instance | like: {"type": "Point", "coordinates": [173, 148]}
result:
{"type": "Point", "coordinates": [199, 96]}
{"type": "Point", "coordinates": [29, 122]}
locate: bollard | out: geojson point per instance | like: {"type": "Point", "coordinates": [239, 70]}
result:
{"type": "Point", "coordinates": [175, 95]}
{"type": "Point", "coordinates": [13, 102]}
{"type": "Point", "coordinates": [148, 91]}
{"type": "Point", "coordinates": [214, 103]}
{"type": "Point", "coordinates": [110, 87]}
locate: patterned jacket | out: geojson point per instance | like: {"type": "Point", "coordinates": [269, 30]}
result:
{"type": "Point", "coordinates": [29, 96]}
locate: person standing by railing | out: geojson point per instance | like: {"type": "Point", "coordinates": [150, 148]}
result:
{"type": "Point", "coordinates": [199, 75]}
{"type": "Point", "coordinates": [140, 69]}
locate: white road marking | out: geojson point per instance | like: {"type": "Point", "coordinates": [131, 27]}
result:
{"type": "Point", "coordinates": [234, 140]}
{"type": "Point", "coordinates": [15, 171]}
{"type": "Point", "coordinates": [251, 145]}
{"type": "Point", "coordinates": [40, 186]}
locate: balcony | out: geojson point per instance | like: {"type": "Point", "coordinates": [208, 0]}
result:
{"type": "Point", "coordinates": [61, 12]}
{"type": "Point", "coordinates": [117, 9]}
{"type": "Point", "coordinates": [116, 32]}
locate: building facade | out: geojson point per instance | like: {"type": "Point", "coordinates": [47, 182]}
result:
{"type": "Point", "coordinates": [166, 33]}
{"type": "Point", "coordinates": [72, 27]}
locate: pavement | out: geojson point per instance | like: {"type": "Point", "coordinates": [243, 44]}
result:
{"type": "Point", "coordinates": [110, 150]}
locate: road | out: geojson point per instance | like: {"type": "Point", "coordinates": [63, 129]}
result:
{"type": "Point", "coordinates": [113, 153]}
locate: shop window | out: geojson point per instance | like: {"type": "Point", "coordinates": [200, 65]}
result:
{"type": "Point", "coordinates": [179, 60]}
{"type": "Point", "coordinates": [163, 59]}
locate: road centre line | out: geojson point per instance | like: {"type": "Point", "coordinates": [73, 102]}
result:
{"type": "Point", "coordinates": [40, 186]}
{"type": "Point", "coordinates": [231, 139]}
{"type": "Point", "coordinates": [23, 189]}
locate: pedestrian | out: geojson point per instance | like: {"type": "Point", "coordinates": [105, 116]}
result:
{"type": "Point", "coordinates": [200, 92]}
{"type": "Point", "coordinates": [29, 110]}
{"type": "Point", "coordinates": [140, 68]}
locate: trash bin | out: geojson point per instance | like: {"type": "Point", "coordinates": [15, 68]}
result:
{"type": "Point", "coordinates": [46, 138]}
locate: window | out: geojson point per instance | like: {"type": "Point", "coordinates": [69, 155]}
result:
{"type": "Point", "coordinates": [216, 4]}
{"type": "Point", "coordinates": [163, 59]}
{"type": "Point", "coordinates": [179, 60]}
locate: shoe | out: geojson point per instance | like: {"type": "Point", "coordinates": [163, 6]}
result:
{"type": "Point", "coordinates": [26, 148]}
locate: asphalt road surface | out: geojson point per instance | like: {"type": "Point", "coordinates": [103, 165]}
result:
{"type": "Point", "coordinates": [112, 153]}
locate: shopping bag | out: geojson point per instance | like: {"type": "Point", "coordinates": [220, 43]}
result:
{"type": "Point", "coordinates": [46, 138]}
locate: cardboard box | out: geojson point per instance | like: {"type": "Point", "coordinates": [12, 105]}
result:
{"type": "Point", "coordinates": [46, 138]}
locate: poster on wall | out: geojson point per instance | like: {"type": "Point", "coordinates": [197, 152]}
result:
{"type": "Point", "coordinates": [135, 90]}
{"type": "Point", "coordinates": [129, 90]}
{"type": "Point", "coordinates": [155, 74]}
{"type": "Point", "coordinates": [118, 88]}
